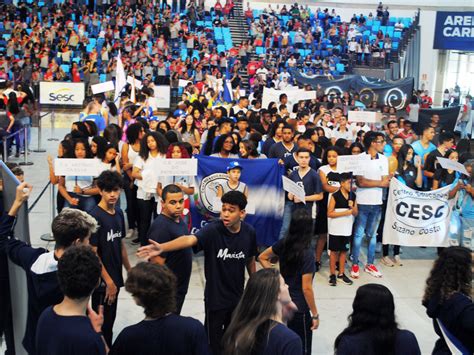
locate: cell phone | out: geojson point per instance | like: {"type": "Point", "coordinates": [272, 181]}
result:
{"type": "Point", "coordinates": [417, 160]}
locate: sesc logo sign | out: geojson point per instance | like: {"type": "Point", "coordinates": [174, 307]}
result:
{"type": "Point", "coordinates": [62, 96]}
{"type": "Point", "coordinates": [59, 93]}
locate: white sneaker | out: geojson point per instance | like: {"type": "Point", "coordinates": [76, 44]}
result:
{"type": "Point", "coordinates": [372, 270]}
{"type": "Point", "coordinates": [378, 247]}
{"type": "Point", "coordinates": [130, 233]}
{"type": "Point", "coordinates": [387, 261]}
{"type": "Point", "coordinates": [397, 260]}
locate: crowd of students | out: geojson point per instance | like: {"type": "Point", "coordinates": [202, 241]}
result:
{"type": "Point", "coordinates": [164, 43]}
{"type": "Point", "coordinates": [307, 140]}
{"type": "Point", "coordinates": [262, 317]}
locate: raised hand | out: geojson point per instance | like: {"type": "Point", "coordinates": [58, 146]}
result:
{"type": "Point", "coordinates": [149, 251]}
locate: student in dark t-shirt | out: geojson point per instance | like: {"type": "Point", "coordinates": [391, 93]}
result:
{"type": "Point", "coordinates": [109, 245]}
{"type": "Point", "coordinates": [290, 162]}
{"type": "Point", "coordinates": [229, 246]}
{"type": "Point", "coordinates": [70, 227]}
{"type": "Point", "coordinates": [372, 328]}
{"type": "Point", "coordinates": [168, 226]}
{"type": "Point", "coordinates": [307, 178]}
{"type": "Point", "coordinates": [284, 148]}
{"type": "Point", "coordinates": [446, 142]}
{"type": "Point", "coordinates": [65, 329]}
{"type": "Point", "coordinates": [257, 325]}
{"type": "Point", "coordinates": [310, 181]}
{"type": "Point", "coordinates": [296, 259]}
{"type": "Point", "coordinates": [162, 332]}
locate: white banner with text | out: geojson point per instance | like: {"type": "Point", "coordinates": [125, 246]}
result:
{"type": "Point", "coordinates": [417, 218]}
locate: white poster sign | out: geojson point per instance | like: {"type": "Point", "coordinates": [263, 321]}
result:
{"type": "Point", "coordinates": [138, 83]}
{"type": "Point", "coordinates": [77, 167]}
{"type": "Point", "coordinates": [175, 167]}
{"type": "Point", "coordinates": [163, 95]}
{"type": "Point", "coordinates": [417, 218]}
{"type": "Point", "coordinates": [103, 87]}
{"type": "Point", "coordinates": [61, 93]}
{"type": "Point", "coordinates": [452, 165]}
{"type": "Point", "coordinates": [183, 83]}
{"type": "Point", "coordinates": [352, 164]}
{"type": "Point", "coordinates": [293, 188]}
{"type": "Point", "coordinates": [294, 95]}
{"type": "Point", "coordinates": [364, 116]}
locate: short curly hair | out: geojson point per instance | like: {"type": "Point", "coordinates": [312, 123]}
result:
{"type": "Point", "coordinates": [154, 288]}
{"type": "Point", "coordinates": [451, 273]}
{"type": "Point", "coordinates": [79, 271]}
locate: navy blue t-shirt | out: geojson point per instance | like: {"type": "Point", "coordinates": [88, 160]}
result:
{"type": "Point", "coordinates": [169, 335]}
{"type": "Point", "coordinates": [108, 240]}
{"type": "Point", "coordinates": [292, 165]}
{"type": "Point", "coordinates": [311, 183]}
{"type": "Point", "coordinates": [293, 276]}
{"type": "Point", "coordinates": [267, 145]}
{"type": "Point", "coordinates": [282, 341]}
{"type": "Point", "coordinates": [66, 335]}
{"type": "Point", "coordinates": [279, 151]}
{"type": "Point", "coordinates": [225, 259]}
{"type": "Point", "coordinates": [362, 344]}
{"type": "Point", "coordinates": [164, 229]}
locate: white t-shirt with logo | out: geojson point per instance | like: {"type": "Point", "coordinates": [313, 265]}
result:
{"type": "Point", "coordinates": [375, 170]}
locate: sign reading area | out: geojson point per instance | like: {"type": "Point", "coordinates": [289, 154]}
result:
{"type": "Point", "coordinates": [454, 30]}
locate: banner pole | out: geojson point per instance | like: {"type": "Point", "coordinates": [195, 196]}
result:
{"type": "Point", "coordinates": [53, 119]}
{"type": "Point", "coordinates": [5, 150]}
{"type": "Point", "coordinates": [48, 237]}
{"type": "Point", "coordinates": [26, 162]}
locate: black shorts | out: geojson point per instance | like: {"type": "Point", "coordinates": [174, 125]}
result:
{"type": "Point", "coordinates": [338, 243]}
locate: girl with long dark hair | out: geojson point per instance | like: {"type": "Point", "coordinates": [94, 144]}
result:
{"type": "Point", "coordinates": [274, 136]}
{"type": "Point", "coordinates": [372, 328]}
{"type": "Point", "coordinates": [297, 268]}
{"type": "Point", "coordinates": [129, 153]}
{"type": "Point", "coordinates": [225, 147]}
{"type": "Point", "coordinates": [153, 146]}
{"type": "Point", "coordinates": [190, 133]}
{"type": "Point", "coordinates": [407, 172]}
{"type": "Point", "coordinates": [448, 298]}
{"type": "Point", "coordinates": [257, 325]}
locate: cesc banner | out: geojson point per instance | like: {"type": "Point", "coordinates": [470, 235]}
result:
{"type": "Point", "coordinates": [61, 93]}
{"type": "Point", "coordinates": [454, 30]}
{"type": "Point", "coordinates": [417, 218]}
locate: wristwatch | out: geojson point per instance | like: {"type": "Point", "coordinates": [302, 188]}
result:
{"type": "Point", "coordinates": [316, 317]}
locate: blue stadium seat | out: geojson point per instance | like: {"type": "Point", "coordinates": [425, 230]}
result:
{"type": "Point", "coordinates": [65, 68]}
{"type": "Point", "coordinates": [102, 78]}
{"type": "Point", "coordinates": [220, 48]}
{"type": "Point", "coordinates": [397, 34]}
{"type": "Point", "coordinates": [260, 50]}
{"type": "Point", "coordinates": [6, 36]}
{"type": "Point", "coordinates": [395, 45]}
{"type": "Point", "coordinates": [76, 60]}
{"type": "Point", "coordinates": [340, 68]}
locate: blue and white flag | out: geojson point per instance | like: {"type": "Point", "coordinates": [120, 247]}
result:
{"type": "Point", "coordinates": [227, 95]}
{"type": "Point", "coordinates": [265, 194]}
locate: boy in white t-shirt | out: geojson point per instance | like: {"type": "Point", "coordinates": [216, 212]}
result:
{"type": "Point", "coordinates": [370, 187]}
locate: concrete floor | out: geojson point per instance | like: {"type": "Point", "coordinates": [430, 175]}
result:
{"type": "Point", "coordinates": [334, 303]}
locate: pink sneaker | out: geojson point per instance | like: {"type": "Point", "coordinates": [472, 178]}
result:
{"type": "Point", "coordinates": [372, 270]}
{"type": "Point", "coordinates": [355, 271]}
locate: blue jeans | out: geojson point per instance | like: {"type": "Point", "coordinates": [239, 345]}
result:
{"type": "Point", "coordinates": [463, 129]}
{"type": "Point", "coordinates": [366, 223]}
{"type": "Point", "coordinates": [285, 225]}
{"type": "Point", "coordinates": [86, 203]}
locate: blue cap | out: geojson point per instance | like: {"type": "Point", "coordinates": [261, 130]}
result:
{"type": "Point", "coordinates": [234, 165]}
{"type": "Point", "coordinates": [178, 113]}
{"type": "Point", "coordinates": [153, 118]}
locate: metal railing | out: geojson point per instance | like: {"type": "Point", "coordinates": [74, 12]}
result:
{"type": "Point", "coordinates": [5, 144]}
